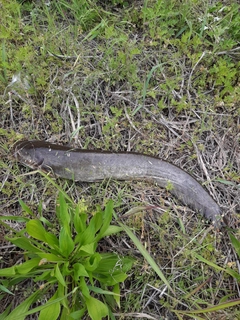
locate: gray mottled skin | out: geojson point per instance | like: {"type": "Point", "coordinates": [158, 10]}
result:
{"type": "Point", "coordinates": [91, 166]}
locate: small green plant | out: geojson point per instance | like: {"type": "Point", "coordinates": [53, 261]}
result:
{"type": "Point", "coordinates": [74, 278]}
{"type": "Point", "coordinates": [86, 13]}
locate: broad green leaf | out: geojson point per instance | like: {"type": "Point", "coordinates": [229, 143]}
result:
{"type": "Point", "coordinates": [111, 261]}
{"type": "Point", "coordinates": [65, 269]}
{"type": "Point", "coordinates": [64, 216]}
{"type": "Point", "coordinates": [24, 243]}
{"type": "Point", "coordinates": [110, 279]}
{"type": "Point", "coordinates": [8, 272]}
{"type": "Point", "coordinates": [79, 271]}
{"type": "Point", "coordinates": [116, 290]}
{"type": "Point", "coordinates": [87, 236]}
{"type": "Point", "coordinates": [50, 311]}
{"type": "Point", "coordinates": [235, 243]}
{"type": "Point", "coordinates": [27, 266]}
{"type": "Point", "coordinates": [107, 265]}
{"type": "Point", "coordinates": [79, 221]}
{"type": "Point", "coordinates": [61, 292]}
{"type": "Point", "coordinates": [61, 298]}
{"type": "Point", "coordinates": [89, 248]}
{"type": "Point", "coordinates": [111, 230]}
{"type": "Point", "coordinates": [12, 281]}
{"type": "Point", "coordinates": [96, 309]}
{"type": "Point", "coordinates": [107, 218]}
{"type": "Point", "coordinates": [116, 278]}
{"type": "Point", "coordinates": [18, 312]}
{"type": "Point", "coordinates": [50, 257]}
{"type": "Point", "coordinates": [51, 240]}
{"type": "Point", "coordinates": [36, 230]}
{"type": "Point", "coordinates": [84, 288]}
{"type": "Point", "coordinates": [6, 312]}
{"type": "Point", "coordinates": [66, 243]}
{"type": "Point", "coordinates": [76, 315]}
{"type": "Point", "coordinates": [97, 219]}
{"type": "Point", "coordinates": [64, 313]}
{"type": "Point", "coordinates": [45, 276]}
{"type": "Point", "coordinates": [92, 262]}
{"type": "Point", "coordinates": [59, 276]}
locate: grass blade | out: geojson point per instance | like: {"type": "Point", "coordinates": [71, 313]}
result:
{"type": "Point", "coordinates": [146, 255]}
{"type": "Point", "coordinates": [220, 306]}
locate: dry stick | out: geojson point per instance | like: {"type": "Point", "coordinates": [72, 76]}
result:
{"type": "Point", "coordinates": [196, 236]}
{"type": "Point", "coordinates": [11, 108]}
{"type": "Point", "coordinates": [130, 121]}
{"type": "Point", "coordinates": [220, 144]}
{"type": "Point", "coordinates": [117, 94]}
{"type": "Point", "coordinates": [126, 113]}
{"type": "Point", "coordinates": [74, 129]}
{"type": "Point", "coordinates": [20, 97]}
{"type": "Point", "coordinates": [191, 73]}
{"type": "Point", "coordinates": [182, 88]}
{"type": "Point", "coordinates": [162, 293]}
{"type": "Point", "coordinates": [70, 114]}
{"type": "Point", "coordinates": [232, 51]}
{"type": "Point", "coordinates": [76, 132]}
{"type": "Point", "coordinates": [165, 123]}
{"type": "Point", "coordinates": [202, 165]}
{"type": "Point", "coordinates": [136, 315]}
{"type": "Point", "coordinates": [28, 101]}
{"type": "Point", "coordinates": [50, 85]}
{"type": "Point", "coordinates": [98, 88]}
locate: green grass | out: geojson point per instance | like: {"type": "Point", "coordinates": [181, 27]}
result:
{"type": "Point", "coordinates": [158, 77]}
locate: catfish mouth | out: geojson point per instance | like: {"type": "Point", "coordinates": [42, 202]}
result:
{"type": "Point", "coordinates": [20, 152]}
{"type": "Point", "coordinates": [20, 145]}
{"type": "Point", "coordinates": [17, 148]}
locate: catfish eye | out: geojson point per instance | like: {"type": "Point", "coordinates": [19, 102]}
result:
{"type": "Point", "coordinates": [40, 162]}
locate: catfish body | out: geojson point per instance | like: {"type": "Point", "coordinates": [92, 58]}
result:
{"type": "Point", "coordinates": [92, 166]}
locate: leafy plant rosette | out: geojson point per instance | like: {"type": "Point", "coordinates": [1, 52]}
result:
{"type": "Point", "coordinates": [71, 275]}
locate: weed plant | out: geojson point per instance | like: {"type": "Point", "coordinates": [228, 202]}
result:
{"type": "Point", "coordinates": [65, 265]}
